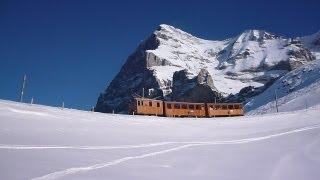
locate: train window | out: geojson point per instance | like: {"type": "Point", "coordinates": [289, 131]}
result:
{"type": "Point", "coordinates": [138, 103]}
{"type": "Point", "coordinates": [224, 107]}
{"type": "Point", "coordinates": [177, 106]}
{"type": "Point", "coordinates": [169, 106]}
{"type": "Point", "coordinates": [150, 103]}
{"type": "Point", "coordinates": [141, 103]}
{"type": "Point", "coordinates": [158, 104]}
{"type": "Point", "coordinates": [198, 107]}
{"type": "Point", "coordinates": [217, 107]}
{"type": "Point", "coordinates": [191, 106]}
{"type": "Point", "coordinates": [236, 106]}
{"type": "Point", "coordinates": [184, 106]}
{"type": "Point", "coordinates": [230, 106]}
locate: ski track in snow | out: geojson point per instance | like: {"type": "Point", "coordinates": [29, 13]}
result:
{"type": "Point", "coordinates": [25, 147]}
{"type": "Point", "coordinates": [59, 174]}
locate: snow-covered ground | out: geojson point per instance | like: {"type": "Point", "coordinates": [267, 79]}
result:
{"type": "Point", "coordinates": [40, 142]}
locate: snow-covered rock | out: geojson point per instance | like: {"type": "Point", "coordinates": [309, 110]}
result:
{"type": "Point", "coordinates": [253, 58]}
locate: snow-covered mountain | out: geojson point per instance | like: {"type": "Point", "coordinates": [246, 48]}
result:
{"type": "Point", "coordinates": [174, 65]}
{"type": "Point", "coordinates": [298, 89]}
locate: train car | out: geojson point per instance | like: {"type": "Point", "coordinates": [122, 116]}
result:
{"type": "Point", "coordinates": [145, 106]}
{"type": "Point", "coordinates": [184, 109]}
{"type": "Point", "coordinates": [224, 109]}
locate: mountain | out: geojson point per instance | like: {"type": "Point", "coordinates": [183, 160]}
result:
{"type": "Point", "coordinates": [298, 89]}
{"type": "Point", "coordinates": [174, 65]}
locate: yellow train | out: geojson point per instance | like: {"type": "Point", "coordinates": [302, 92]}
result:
{"type": "Point", "coordinates": [145, 106]}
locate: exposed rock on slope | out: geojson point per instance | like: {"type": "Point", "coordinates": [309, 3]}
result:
{"type": "Point", "coordinates": [196, 89]}
{"type": "Point", "coordinates": [174, 65]}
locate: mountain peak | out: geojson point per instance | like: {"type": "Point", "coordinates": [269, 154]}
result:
{"type": "Point", "coordinates": [165, 28]}
{"type": "Point", "coordinates": [167, 32]}
{"type": "Point", "coordinates": [255, 35]}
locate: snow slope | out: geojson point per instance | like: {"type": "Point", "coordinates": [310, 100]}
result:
{"type": "Point", "coordinates": [296, 90]}
{"type": "Point", "coordinates": [39, 142]}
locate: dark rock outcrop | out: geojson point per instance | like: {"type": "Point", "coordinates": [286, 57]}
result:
{"type": "Point", "coordinates": [197, 89]}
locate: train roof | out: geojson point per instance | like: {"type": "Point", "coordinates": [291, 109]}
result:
{"type": "Point", "coordinates": [224, 103]}
{"type": "Point", "coordinates": [177, 102]}
{"type": "Point", "coordinates": [147, 99]}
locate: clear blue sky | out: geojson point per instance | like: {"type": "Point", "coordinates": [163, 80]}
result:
{"type": "Point", "coordinates": [71, 49]}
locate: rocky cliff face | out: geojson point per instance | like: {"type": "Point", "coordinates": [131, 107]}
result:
{"type": "Point", "coordinates": [174, 65]}
{"type": "Point", "coordinates": [132, 78]}
{"type": "Point", "coordinates": [197, 89]}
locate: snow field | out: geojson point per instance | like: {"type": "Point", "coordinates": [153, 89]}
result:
{"type": "Point", "coordinates": [43, 142]}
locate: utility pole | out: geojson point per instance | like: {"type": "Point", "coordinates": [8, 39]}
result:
{"type": "Point", "coordinates": [276, 97]}
{"type": "Point", "coordinates": [31, 102]}
{"type": "Point", "coordinates": [143, 92]}
{"type": "Point", "coordinates": [23, 86]}
{"type": "Point", "coordinates": [62, 105]}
